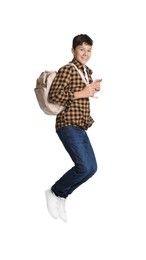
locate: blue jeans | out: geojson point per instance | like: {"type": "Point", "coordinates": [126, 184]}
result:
{"type": "Point", "coordinates": [77, 144]}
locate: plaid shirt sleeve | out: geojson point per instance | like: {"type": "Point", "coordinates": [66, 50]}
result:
{"type": "Point", "coordinates": [60, 91]}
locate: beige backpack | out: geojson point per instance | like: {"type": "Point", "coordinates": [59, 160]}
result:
{"type": "Point", "coordinates": [43, 84]}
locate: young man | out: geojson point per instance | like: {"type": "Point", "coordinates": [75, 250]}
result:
{"type": "Point", "coordinates": [69, 90]}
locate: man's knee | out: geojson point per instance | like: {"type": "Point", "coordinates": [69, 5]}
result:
{"type": "Point", "coordinates": [93, 169]}
{"type": "Point", "coordinates": [87, 169]}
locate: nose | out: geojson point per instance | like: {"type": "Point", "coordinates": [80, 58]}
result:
{"type": "Point", "coordinates": [85, 53]}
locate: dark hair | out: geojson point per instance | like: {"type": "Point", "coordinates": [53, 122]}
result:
{"type": "Point", "coordinates": [80, 39]}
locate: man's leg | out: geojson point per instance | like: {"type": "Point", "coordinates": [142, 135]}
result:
{"type": "Point", "coordinates": [77, 144]}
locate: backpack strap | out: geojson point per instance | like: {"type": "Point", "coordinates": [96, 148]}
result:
{"type": "Point", "coordinates": [82, 76]}
{"type": "Point", "coordinates": [81, 73]}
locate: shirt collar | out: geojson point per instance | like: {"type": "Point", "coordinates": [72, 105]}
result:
{"type": "Point", "coordinates": [80, 66]}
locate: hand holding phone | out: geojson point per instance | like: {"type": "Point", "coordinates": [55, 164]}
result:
{"type": "Point", "coordinates": [96, 83]}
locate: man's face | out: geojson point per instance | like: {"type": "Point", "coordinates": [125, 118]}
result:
{"type": "Point", "coordinates": [82, 53]}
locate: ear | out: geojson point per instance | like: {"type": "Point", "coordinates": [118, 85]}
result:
{"type": "Point", "coordinates": [72, 50]}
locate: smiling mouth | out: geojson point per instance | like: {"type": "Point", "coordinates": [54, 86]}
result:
{"type": "Point", "coordinates": [83, 58]}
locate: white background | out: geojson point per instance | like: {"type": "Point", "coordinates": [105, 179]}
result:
{"type": "Point", "coordinates": [106, 215]}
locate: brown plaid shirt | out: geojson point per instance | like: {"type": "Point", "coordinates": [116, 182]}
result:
{"type": "Point", "coordinates": [66, 82]}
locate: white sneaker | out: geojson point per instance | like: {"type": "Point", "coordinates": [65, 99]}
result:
{"type": "Point", "coordinates": [52, 203]}
{"type": "Point", "coordinates": [62, 212]}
